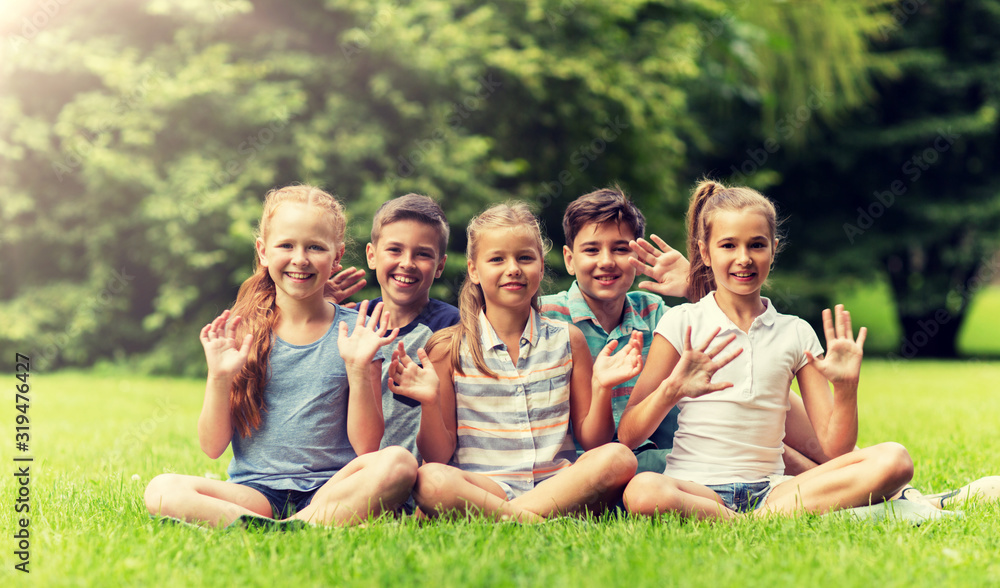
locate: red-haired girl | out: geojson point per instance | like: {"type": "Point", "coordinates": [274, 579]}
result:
{"type": "Point", "coordinates": [290, 387]}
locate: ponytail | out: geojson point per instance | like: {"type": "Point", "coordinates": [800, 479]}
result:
{"type": "Point", "coordinates": [255, 303]}
{"type": "Point", "coordinates": [708, 197]}
{"type": "Point", "coordinates": [700, 279]}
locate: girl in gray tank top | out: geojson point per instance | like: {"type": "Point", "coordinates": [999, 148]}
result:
{"type": "Point", "coordinates": [290, 387]}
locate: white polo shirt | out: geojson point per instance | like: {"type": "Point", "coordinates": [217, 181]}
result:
{"type": "Point", "coordinates": [735, 435]}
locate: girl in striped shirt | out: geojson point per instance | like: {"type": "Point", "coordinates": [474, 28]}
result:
{"type": "Point", "coordinates": [503, 392]}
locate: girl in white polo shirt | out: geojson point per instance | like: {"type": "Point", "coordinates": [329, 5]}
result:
{"type": "Point", "coordinates": [727, 451]}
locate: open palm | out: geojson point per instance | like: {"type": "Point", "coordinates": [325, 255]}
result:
{"type": "Point", "coordinates": [611, 370]}
{"type": "Point", "coordinates": [410, 379]}
{"type": "Point", "coordinates": [693, 372]}
{"type": "Point", "coordinates": [359, 348]}
{"type": "Point", "coordinates": [666, 266]}
{"type": "Point", "coordinates": [224, 354]}
{"type": "Point", "coordinates": [842, 362]}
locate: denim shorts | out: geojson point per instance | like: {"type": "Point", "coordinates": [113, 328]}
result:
{"type": "Point", "coordinates": [284, 503]}
{"type": "Point", "coordinates": [743, 496]}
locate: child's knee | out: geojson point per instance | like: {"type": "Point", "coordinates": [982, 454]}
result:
{"type": "Point", "coordinates": [617, 464]}
{"type": "Point", "coordinates": [400, 466]}
{"type": "Point", "coordinates": [643, 495]}
{"type": "Point", "coordinates": [159, 491]}
{"type": "Point", "coordinates": [896, 462]}
{"type": "Point", "coordinates": [433, 481]}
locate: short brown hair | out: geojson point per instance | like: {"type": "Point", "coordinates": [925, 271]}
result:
{"type": "Point", "coordinates": [412, 207]}
{"type": "Point", "coordinates": [602, 206]}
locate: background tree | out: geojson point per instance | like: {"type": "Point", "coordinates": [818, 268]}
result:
{"type": "Point", "coordinates": [139, 138]}
{"type": "Point", "coordinates": [905, 181]}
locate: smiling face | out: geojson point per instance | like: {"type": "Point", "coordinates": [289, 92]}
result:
{"type": "Point", "coordinates": [299, 251]}
{"type": "Point", "coordinates": [508, 266]}
{"type": "Point", "coordinates": [406, 261]}
{"type": "Point", "coordinates": [599, 260]}
{"type": "Point", "coordinates": [739, 251]}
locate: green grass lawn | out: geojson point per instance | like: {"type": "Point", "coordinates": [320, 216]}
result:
{"type": "Point", "coordinates": [92, 434]}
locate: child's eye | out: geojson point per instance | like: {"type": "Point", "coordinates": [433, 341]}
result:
{"type": "Point", "coordinates": [590, 250]}
{"type": "Point", "coordinates": [624, 250]}
{"type": "Point", "coordinates": [495, 259]}
{"type": "Point", "coordinates": [424, 254]}
{"type": "Point", "coordinates": [284, 246]}
{"type": "Point", "coordinates": [759, 245]}
{"type": "Point", "coordinates": [317, 247]}
{"type": "Point", "coordinates": [527, 258]}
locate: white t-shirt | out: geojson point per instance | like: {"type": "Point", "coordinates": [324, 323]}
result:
{"type": "Point", "coordinates": [735, 435]}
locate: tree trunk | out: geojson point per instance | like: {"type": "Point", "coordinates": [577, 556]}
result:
{"type": "Point", "coordinates": [931, 307]}
{"type": "Point", "coordinates": [932, 334]}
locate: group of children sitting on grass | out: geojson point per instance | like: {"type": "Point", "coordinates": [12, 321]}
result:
{"type": "Point", "coordinates": [520, 406]}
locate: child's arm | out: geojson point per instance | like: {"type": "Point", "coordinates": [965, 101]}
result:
{"type": "Point", "coordinates": [836, 419]}
{"type": "Point", "coordinates": [591, 386]}
{"type": "Point", "coordinates": [225, 357]}
{"type": "Point", "coordinates": [668, 268]}
{"type": "Point", "coordinates": [364, 415]}
{"type": "Point", "coordinates": [668, 377]}
{"type": "Point", "coordinates": [429, 384]}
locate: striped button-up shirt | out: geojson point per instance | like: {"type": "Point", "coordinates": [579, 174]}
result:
{"type": "Point", "coordinates": [515, 428]}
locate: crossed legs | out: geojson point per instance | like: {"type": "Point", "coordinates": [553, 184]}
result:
{"type": "Point", "coordinates": [369, 485]}
{"type": "Point", "coordinates": [859, 478]}
{"type": "Point", "coordinates": [594, 481]}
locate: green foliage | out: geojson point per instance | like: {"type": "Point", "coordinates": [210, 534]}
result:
{"type": "Point", "coordinates": [900, 186]}
{"type": "Point", "coordinates": [146, 147]}
{"type": "Point", "coordinates": [137, 139]}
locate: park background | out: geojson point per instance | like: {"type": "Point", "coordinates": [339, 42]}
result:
{"type": "Point", "coordinates": [138, 137]}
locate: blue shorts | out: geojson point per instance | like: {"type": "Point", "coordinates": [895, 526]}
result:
{"type": "Point", "coordinates": [743, 496]}
{"type": "Point", "coordinates": [284, 503]}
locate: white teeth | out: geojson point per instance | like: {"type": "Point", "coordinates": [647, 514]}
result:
{"type": "Point", "coordinates": [298, 276]}
{"type": "Point", "coordinates": [405, 280]}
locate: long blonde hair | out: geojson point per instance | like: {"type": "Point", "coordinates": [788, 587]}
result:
{"type": "Point", "coordinates": [255, 303]}
{"type": "Point", "coordinates": [708, 197]}
{"type": "Point", "coordinates": [471, 299]}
